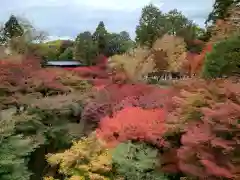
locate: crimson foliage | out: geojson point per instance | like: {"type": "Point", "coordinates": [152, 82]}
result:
{"type": "Point", "coordinates": [115, 97]}
{"type": "Point", "coordinates": [25, 78]}
{"type": "Point", "coordinates": [206, 115]}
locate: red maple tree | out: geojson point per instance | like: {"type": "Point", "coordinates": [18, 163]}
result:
{"type": "Point", "coordinates": [206, 116]}
{"type": "Point", "coordinates": [133, 123]}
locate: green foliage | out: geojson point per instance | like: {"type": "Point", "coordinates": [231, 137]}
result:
{"type": "Point", "coordinates": [88, 46]}
{"type": "Point", "coordinates": [176, 21]}
{"type": "Point", "coordinates": [224, 60]}
{"type": "Point", "coordinates": [52, 123]}
{"type": "Point", "coordinates": [100, 37]}
{"type": "Point", "coordinates": [12, 28]}
{"type": "Point", "coordinates": [46, 52]}
{"type": "Point", "coordinates": [137, 161]}
{"type": "Point", "coordinates": [154, 24]}
{"type": "Point", "coordinates": [220, 9]}
{"type": "Point", "coordinates": [19, 35]}
{"type": "Point", "coordinates": [85, 49]}
{"type": "Point", "coordinates": [100, 31]}
{"type": "Point", "coordinates": [14, 152]}
{"type": "Point", "coordinates": [45, 126]}
{"type": "Point", "coordinates": [118, 43]}
{"type": "Point", "coordinates": [67, 54]}
{"type": "Point", "coordinates": [151, 26]}
{"type": "Point", "coordinates": [54, 50]}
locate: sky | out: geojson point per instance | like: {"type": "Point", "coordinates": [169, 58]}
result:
{"type": "Point", "coordinates": [64, 19]}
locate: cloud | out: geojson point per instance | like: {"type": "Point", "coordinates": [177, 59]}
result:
{"type": "Point", "coordinates": [61, 18]}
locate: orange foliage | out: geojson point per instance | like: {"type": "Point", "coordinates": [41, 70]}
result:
{"type": "Point", "coordinates": [133, 123]}
{"type": "Point", "coordinates": [195, 61]}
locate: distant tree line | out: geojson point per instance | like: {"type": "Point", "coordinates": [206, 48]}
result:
{"type": "Point", "coordinates": [22, 37]}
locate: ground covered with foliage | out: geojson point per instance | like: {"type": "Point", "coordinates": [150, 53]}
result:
{"type": "Point", "coordinates": [111, 121]}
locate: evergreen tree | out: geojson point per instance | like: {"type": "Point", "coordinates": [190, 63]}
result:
{"type": "Point", "coordinates": [99, 36]}
{"type": "Point", "coordinates": [12, 28]}
{"type": "Point", "coordinates": [85, 48]}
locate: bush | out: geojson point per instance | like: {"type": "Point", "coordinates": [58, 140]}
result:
{"type": "Point", "coordinates": [137, 161]}
{"type": "Point", "coordinates": [205, 120]}
{"type": "Point", "coordinates": [224, 60]}
{"type": "Point", "coordinates": [87, 158]}
{"type": "Point", "coordinates": [175, 49]}
{"type": "Point", "coordinates": [15, 150]}
{"type": "Point", "coordinates": [111, 99]}
{"type": "Point", "coordinates": [133, 123]}
{"type": "Point", "coordinates": [24, 81]}
{"type": "Point", "coordinates": [135, 65]}
{"type": "Point", "coordinates": [67, 54]}
{"type": "Point", "coordinates": [52, 123]}
{"type": "Point", "coordinates": [54, 103]}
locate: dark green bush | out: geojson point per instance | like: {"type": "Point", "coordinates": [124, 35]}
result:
{"type": "Point", "coordinates": [51, 127]}
{"type": "Point", "coordinates": [14, 152]}
{"type": "Point", "coordinates": [224, 60]}
{"type": "Point", "coordinates": [137, 161]}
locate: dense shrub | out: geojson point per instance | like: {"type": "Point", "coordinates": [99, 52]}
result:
{"type": "Point", "coordinates": [224, 60]}
{"type": "Point", "coordinates": [90, 72]}
{"type": "Point", "coordinates": [108, 100]}
{"type": "Point", "coordinates": [53, 123]}
{"type": "Point", "coordinates": [22, 82]}
{"type": "Point", "coordinates": [205, 118]}
{"type": "Point", "coordinates": [175, 49]}
{"type": "Point", "coordinates": [135, 65]}
{"type": "Point", "coordinates": [14, 152]}
{"type": "Point", "coordinates": [86, 159]}
{"type": "Point", "coordinates": [54, 101]}
{"type": "Point", "coordinates": [133, 124]}
{"type": "Point", "coordinates": [113, 97]}
{"type": "Point", "coordinates": [137, 161]}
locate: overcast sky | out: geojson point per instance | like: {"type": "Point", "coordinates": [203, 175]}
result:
{"type": "Point", "coordinates": [66, 18]}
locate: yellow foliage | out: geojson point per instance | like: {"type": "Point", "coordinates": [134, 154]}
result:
{"type": "Point", "coordinates": [175, 49]}
{"type": "Point", "coordinates": [87, 158]}
{"type": "Point", "coordinates": [135, 64]}
{"type": "Point", "coordinates": [49, 178]}
{"type": "Point", "coordinates": [168, 53]}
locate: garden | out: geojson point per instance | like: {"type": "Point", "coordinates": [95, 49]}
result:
{"type": "Point", "coordinates": [111, 121]}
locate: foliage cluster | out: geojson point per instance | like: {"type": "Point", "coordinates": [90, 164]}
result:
{"type": "Point", "coordinates": [128, 160]}
{"type": "Point", "coordinates": [14, 153]}
{"type": "Point", "coordinates": [133, 123]}
{"type": "Point", "coordinates": [206, 117]}
{"type": "Point", "coordinates": [115, 97]}
{"type": "Point", "coordinates": [86, 159]}
{"type": "Point", "coordinates": [175, 49]}
{"type": "Point", "coordinates": [221, 10]}
{"type": "Point", "coordinates": [134, 65]}
{"type": "Point", "coordinates": [224, 60]}
{"type": "Point", "coordinates": [137, 161]}
{"type": "Point", "coordinates": [53, 101]}
{"type": "Point", "coordinates": [190, 130]}
{"type": "Point", "coordinates": [153, 24]}
{"type": "Point", "coordinates": [26, 79]}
